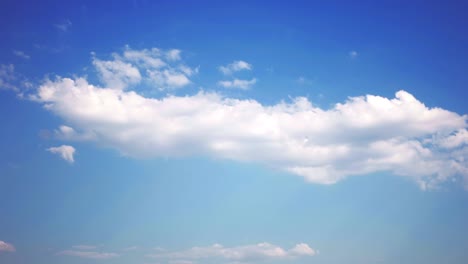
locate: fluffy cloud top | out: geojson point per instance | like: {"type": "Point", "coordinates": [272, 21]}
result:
{"type": "Point", "coordinates": [4, 246]}
{"type": "Point", "coordinates": [65, 152]}
{"type": "Point", "coordinates": [362, 135]}
{"type": "Point", "coordinates": [238, 84]}
{"type": "Point", "coordinates": [257, 252]}
{"type": "Point", "coordinates": [235, 67]}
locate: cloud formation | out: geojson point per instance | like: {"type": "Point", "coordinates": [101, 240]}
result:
{"type": "Point", "coordinates": [238, 84]}
{"type": "Point", "coordinates": [11, 80]}
{"type": "Point", "coordinates": [235, 67]}
{"type": "Point", "coordinates": [363, 135]}
{"type": "Point", "coordinates": [151, 67]}
{"type": "Point", "coordinates": [4, 246]}
{"type": "Point", "coordinates": [247, 253]}
{"type": "Point", "coordinates": [65, 152]}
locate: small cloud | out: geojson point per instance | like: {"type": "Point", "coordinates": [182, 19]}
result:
{"type": "Point", "coordinates": [173, 55]}
{"type": "Point", "coordinates": [88, 254]}
{"type": "Point", "coordinates": [64, 26]}
{"type": "Point", "coordinates": [4, 246]}
{"type": "Point", "coordinates": [21, 54]}
{"type": "Point", "coordinates": [235, 67]}
{"type": "Point", "coordinates": [238, 84]}
{"type": "Point", "coordinates": [66, 152]}
{"type": "Point", "coordinates": [353, 54]}
{"type": "Point", "coordinates": [7, 77]}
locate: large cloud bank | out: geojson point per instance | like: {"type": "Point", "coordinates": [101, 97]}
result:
{"type": "Point", "coordinates": [362, 135]}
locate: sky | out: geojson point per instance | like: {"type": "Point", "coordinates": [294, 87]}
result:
{"type": "Point", "coordinates": [198, 132]}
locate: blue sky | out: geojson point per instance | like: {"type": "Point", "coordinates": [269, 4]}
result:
{"type": "Point", "coordinates": [246, 132]}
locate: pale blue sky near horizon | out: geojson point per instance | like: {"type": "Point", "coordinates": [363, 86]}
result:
{"type": "Point", "coordinates": [124, 197]}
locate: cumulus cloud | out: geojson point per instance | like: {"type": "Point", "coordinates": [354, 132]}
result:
{"type": "Point", "coordinates": [238, 84]}
{"type": "Point", "coordinates": [235, 67]}
{"type": "Point", "coordinates": [21, 54]}
{"type": "Point", "coordinates": [4, 246]}
{"type": "Point", "coordinates": [362, 135]}
{"type": "Point", "coordinates": [155, 67]}
{"type": "Point", "coordinates": [247, 253]}
{"type": "Point", "coordinates": [65, 152]}
{"type": "Point", "coordinates": [88, 254]}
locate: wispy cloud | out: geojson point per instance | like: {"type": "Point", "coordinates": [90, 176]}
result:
{"type": "Point", "coordinates": [64, 26]}
{"type": "Point", "coordinates": [154, 66]}
{"type": "Point", "coordinates": [304, 80]}
{"type": "Point", "coordinates": [88, 254]}
{"type": "Point", "coordinates": [21, 54]}
{"type": "Point", "coordinates": [235, 67]}
{"type": "Point", "coordinates": [7, 77]}
{"type": "Point", "coordinates": [65, 152]}
{"type": "Point", "coordinates": [4, 246]}
{"type": "Point", "coordinates": [247, 253]}
{"type": "Point", "coordinates": [353, 54]}
{"type": "Point", "coordinates": [238, 84]}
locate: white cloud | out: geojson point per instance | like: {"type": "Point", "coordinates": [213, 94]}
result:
{"type": "Point", "coordinates": [459, 138]}
{"type": "Point", "coordinates": [257, 252]}
{"type": "Point", "coordinates": [302, 249]}
{"type": "Point", "coordinates": [21, 54]}
{"type": "Point", "coordinates": [235, 67]}
{"type": "Point", "coordinates": [7, 77]}
{"type": "Point", "coordinates": [353, 54]}
{"type": "Point", "coordinates": [238, 84]}
{"type": "Point", "coordinates": [66, 152]}
{"type": "Point", "coordinates": [88, 254]}
{"type": "Point", "coordinates": [157, 67]}
{"type": "Point", "coordinates": [168, 78]}
{"type": "Point", "coordinates": [116, 73]}
{"type": "Point", "coordinates": [64, 26]}
{"type": "Point", "coordinates": [4, 246]}
{"type": "Point", "coordinates": [173, 55]}
{"type": "Point", "coordinates": [362, 135]}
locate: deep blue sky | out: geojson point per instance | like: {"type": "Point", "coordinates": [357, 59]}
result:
{"type": "Point", "coordinates": [109, 201]}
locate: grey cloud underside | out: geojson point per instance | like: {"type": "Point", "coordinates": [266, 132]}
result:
{"type": "Point", "coordinates": [360, 136]}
